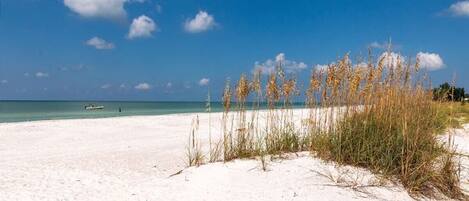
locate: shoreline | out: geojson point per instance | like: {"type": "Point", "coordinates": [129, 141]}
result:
{"type": "Point", "coordinates": [27, 111]}
{"type": "Point", "coordinates": [136, 115]}
{"type": "Point", "coordinates": [98, 118]}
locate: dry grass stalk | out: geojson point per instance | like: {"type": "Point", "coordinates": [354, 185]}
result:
{"type": "Point", "coordinates": [379, 115]}
{"type": "Point", "coordinates": [227, 133]}
{"type": "Point", "coordinates": [194, 151]}
{"type": "Point", "coordinates": [393, 131]}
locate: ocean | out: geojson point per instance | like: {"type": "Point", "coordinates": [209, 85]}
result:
{"type": "Point", "coordinates": [18, 111]}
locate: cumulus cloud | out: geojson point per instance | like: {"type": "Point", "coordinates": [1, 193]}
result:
{"type": "Point", "coordinates": [78, 67]}
{"type": "Point", "coordinates": [41, 75]}
{"type": "Point", "coordinates": [430, 61]}
{"type": "Point", "coordinates": [201, 22]}
{"type": "Point", "coordinates": [100, 43]}
{"type": "Point", "coordinates": [106, 86]}
{"type": "Point", "coordinates": [376, 45]}
{"type": "Point", "coordinates": [265, 68]}
{"type": "Point", "coordinates": [280, 57]}
{"type": "Point", "coordinates": [361, 65]}
{"type": "Point", "coordinates": [204, 81]}
{"type": "Point", "coordinates": [391, 59]}
{"type": "Point", "coordinates": [4, 81]}
{"type": "Point", "coordinates": [141, 27]}
{"type": "Point", "coordinates": [143, 86]}
{"type": "Point", "coordinates": [169, 85]}
{"type": "Point", "coordinates": [324, 67]}
{"type": "Point", "coordinates": [460, 8]}
{"type": "Point", "coordinates": [384, 45]}
{"type": "Point", "coordinates": [269, 66]}
{"type": "Point", "coordinates": [321, 67]}
{"type": "Point", "coordinates": [111, 9]}
{"type": "Point", "coordinates": [379, 45]}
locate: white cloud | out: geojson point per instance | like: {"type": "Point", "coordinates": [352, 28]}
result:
{"type": "Point", "coordinates": [324, 67]}
{"type": "Point", "coordinates": [321, 67]}
{"type": "Point", "coordinates": [100, 43]}
{"type": "Point", "coordinates": [430, 61]}
{"type": "Point", "coordinates": [4, 81]}
{"type": "Point", "coordinates": [122, 86]}
{"type": "Point", "coordinates": [106, 86]}
{"type": "Point", "coordinates": [204, 81]}
{"type": "Point", "coordinates": [169, 85]}
{"type": "Point", "coordinates": [289, 66]}
{"type": "Point", "coordinates": [362, 65]}
{"type": "Point", "coordinates": [142, 26]}
{"type": "Point", "coordinates": [391, 59]}
{"type": "Point", "coordinates": [41, 75]}
{"type": "Point", "coordinates": [385, 45]}
{"type": "Point", "coordinates": [378, 45]}
{"type": "Point", "coordinates": [266, 67]}
{"type": "Point", "coordinates": [74, 68]}
{"type": "Point", "coordinates": [143, 86]}
{"type": "Point", "coordinates": [280, 57]}
{"type": "Point", "coordinates": [111, 9]}
{"type": "Point", "coordinates": [460, 8]}
{"type": "Point", "coordinates": [201, 22]}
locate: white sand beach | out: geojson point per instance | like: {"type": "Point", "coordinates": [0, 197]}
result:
{"type": "Point", "coordinates": [134, 158]}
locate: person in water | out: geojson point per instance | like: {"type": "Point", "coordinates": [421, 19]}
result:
{"type": "Point", "coordinates": [120, 110]}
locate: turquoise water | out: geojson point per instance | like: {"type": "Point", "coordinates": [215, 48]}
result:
{"type": "Point", "coordinates": [17, 111]}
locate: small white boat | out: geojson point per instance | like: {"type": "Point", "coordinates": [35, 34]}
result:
{"type": "Point", "coordinates": [94, 107]}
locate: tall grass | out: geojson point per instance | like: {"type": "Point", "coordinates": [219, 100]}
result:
{"type": "Point", "coordinates": [389, 125]}
{"type": "Point", "coordinates": [454, 113]}
{"type": "Point", "coordinates": [375, 114]}
{"type": "Point", "coordinates": [194, 154]}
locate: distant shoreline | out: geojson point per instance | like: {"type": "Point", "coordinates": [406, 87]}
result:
{"type": "Point", "coordinates": [29, 111]}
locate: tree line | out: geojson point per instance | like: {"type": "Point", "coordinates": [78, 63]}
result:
{"type": "Point", "coordinates": [448, 92]}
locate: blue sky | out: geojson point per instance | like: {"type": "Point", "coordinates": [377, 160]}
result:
{"type": "Point", "coordinates": [171, 50]}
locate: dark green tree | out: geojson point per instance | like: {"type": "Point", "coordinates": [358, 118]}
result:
{"type": "Point", "coordinates": [446, 92]}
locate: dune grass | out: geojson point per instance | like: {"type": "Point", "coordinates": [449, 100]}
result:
{"type": "Point", "coordinates": [376, 114]}
{"type": "Point", "coordinates": [194, 153]}
{"type": "Point", "coordinates": [454, 114]}
{"type": "Point", "coordinates": [394, 130]}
